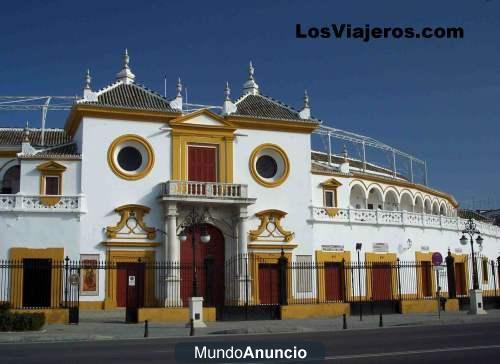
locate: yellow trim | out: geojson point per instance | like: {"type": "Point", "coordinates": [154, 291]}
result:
{"type": "Point", "coordinates": [331, 257]}
{"type": "Point", "coordinates": [285, 247]}
{"type": "Point", "coordinates": [130, 244]}
{"type": "Point", "coordinates": [424, 257]}
{"type": "Point", "coordinates": [270, 217]}
{"type": "Point", "coordinates": [91, 305]}
{"type": "Point", "coordinates": [52, 169]}
{"type": "Point", "coordinates": [418, 306]}
{"type": "Point", "coordinates": [113, 113]}
{"type": "Point", "coordinates": [16, 284]}
{"type": "Point", "coordinates": [332, 182]}
{"type": "Point", "coordinates": [117, 170]}
{"type": "Point", "coordinates": [125, 211]}
{"type": "Point", "coordinates": [253, 160]}
{"type": "Point", "coordinates": [390, 258]}
{"type": "Point", "coordinates": [220, 136]}
{"type": "Point", "coordinates": [122, 256]}
{"type": "Point", "coordinates": [244, 122]}
{"type": "Point", "coordinates": [52, 315]}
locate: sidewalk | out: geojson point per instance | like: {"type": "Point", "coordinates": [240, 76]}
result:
{"type": "Point", "coordinates": [110, 326]}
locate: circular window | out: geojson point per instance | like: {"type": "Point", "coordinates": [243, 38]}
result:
{"type": "Point", "coordinates": [266, 166]}
{"type": "Point", "coordinates": [130, 157]}
{"type": "Point", "coordinates": [269, 165]}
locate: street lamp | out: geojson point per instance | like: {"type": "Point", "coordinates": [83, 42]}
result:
{"type": "Point", "coordinates": [193, 223]}
{"type": "Point", "coordinates": [475, 295]}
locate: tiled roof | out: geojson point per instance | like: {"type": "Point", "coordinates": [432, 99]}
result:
{"type": "Point", "coordinates": [15, 137]}
{"type": "Point", "coordinates": [261, 106]}
{"type": "Point", "coordinates": [471, 214]}
{"type": "Point", "coordinates": [130, 96]}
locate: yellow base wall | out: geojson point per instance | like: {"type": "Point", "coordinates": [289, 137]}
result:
{"type": "Point", "coordinates": [52, 315]}
{"type": "Point", "coordinates": [314, 310]}
{"type": "Point", "coordinates": [452, 305]}
{"type": "Point", "coordinates": [180, 314]}
{"type": "Point", "coordinates": [419, 306]}
{"type": "Point", "coordinates": [91, 305]}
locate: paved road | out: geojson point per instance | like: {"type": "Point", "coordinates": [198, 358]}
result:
{"type": "Point", "coordinates": [465, 343]}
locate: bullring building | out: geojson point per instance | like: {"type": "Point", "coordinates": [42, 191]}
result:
{"type": "Point", "coordinates": [138, 185]}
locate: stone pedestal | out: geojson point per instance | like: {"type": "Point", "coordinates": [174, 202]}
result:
{"type": "Point", "coordinates": [196, 312]}
{"type": "Point", "coordinates": [476, 302]}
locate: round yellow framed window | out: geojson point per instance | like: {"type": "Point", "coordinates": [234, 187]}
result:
{"type": "Point", "coordinates": [130, 157]}
{"type": "Point", "coordinates": [269, 165]}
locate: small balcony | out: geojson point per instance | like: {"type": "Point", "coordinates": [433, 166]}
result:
{"type": "Point", "coordinates": [38, 203]}
{"type": "Point", "coordinates": [228, 193]}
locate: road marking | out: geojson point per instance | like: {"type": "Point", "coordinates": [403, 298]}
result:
{"type": "Point", "coordinates": [412, 352]}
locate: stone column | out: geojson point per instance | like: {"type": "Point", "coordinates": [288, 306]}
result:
{"type": "Point", "coordinates": [172, 256]}
{"type": "Point", "coordinates": [244, 276]}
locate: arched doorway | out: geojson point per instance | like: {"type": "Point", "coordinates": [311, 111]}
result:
{"type": "Point", "coordinates": [209, 262]}
{"type": "Point", "coordinates": [11, 179]}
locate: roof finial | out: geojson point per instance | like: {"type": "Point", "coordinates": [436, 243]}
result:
{"type": "Point", "coordinates": [27, 132]}
{"type": "Point", "coordinates": [305, 113]}
{"type": "Point", "coordinates": [227, 92]}
{"type": "Point", "coordinates": [179, 87]}
{"type": "Point", "coordinates": [251, 87]}
{"type": "Point", "coordinates": [88, 79]}
{"type": "Point", "coordinates": [126, 75]}
{"type": "Point", "coordinates": [228, 107]}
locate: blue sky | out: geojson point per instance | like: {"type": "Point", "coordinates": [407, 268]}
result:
{"type": "Point", "coordinates": [436, 99]}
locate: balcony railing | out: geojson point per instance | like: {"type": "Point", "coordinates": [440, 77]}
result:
{"type": "Point", "coordinates": [403, 218]}
{"type": "Point", "coordinates": [204, 190]}
{"type": "Point", "coordinates": [36, 203]}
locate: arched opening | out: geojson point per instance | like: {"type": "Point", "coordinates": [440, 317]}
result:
{"type": "Point", "coordinates": [406, 202]}
{"type": "Point", "coordinates": [435, 208]}
{"type": "Point", "coordinates": [357, 198]}
{"type": "Point", "coordinates": [419, 205]}
{"type": "Point", "coordinates": [375, 199]}
{"type": "Point", "coordinates": [391, 201]}
{"type": "Point", "coordinates": [11, 181]}
{"type": "Point", "coordinates": [442, 209]}
{"type": "Point", "coordinates": [427, 206]}
{"type": "Point", "coordinates": [209, 263]}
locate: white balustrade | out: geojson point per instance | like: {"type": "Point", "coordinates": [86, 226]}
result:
{"type": "Point", "coordinates": [213, 190]}
{"type": "Point", "coordinates": [36, 203]}
{"type": "Point", "coordinates": [383, 217]}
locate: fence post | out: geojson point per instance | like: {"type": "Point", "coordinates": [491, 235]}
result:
{"type": "Point", "coordinates": [282, 265]}
{"type": "Point", "coordinates": [342, 281]}
{"type": "Point", "coordinates": [209, 278]}
{"type": "Point", "coordinates": [450, 271]}
{"type": "Point", "coordinates": [66, 279]}
{"type": "Point", "coordinates": [494, 276]}
{"type": "Point", "coordinates": [498, 270]}
{"type": "Point", "coordinates": [399, 278]}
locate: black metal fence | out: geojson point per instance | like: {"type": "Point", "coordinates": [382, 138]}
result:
{"type": "Point", "coordinates": [248, 281]}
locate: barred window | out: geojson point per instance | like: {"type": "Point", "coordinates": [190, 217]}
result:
{"type": "Point", "coordinates": [304, 274]}
{"type": "Point", "coordinates": [484, 266]}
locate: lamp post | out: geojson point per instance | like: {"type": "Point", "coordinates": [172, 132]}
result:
{"type": "Point", "coordinates": [358, 249]}
{"type": "Point", "coordinates": [193, 223]}
{"type": "Point", "coordinates": [475, 294]}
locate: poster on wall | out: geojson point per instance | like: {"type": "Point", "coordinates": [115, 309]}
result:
{"type": "Point", "coordinates": [89, 275]}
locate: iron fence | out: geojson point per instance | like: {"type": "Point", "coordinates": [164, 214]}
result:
{"type": "Point", "coordinates": [247, 281]}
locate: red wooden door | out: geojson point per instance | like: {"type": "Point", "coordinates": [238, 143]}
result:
{"type": "Point", "coordinates": [460, 279]}
{"type": "Point", "coordinates": [134, 294]}
{"type": "Point", "coordinates": [426, 279]}
{"type": "Point", "coordinates": [333, 282]}
{"type": "Point", "coordinates": [381, 282]}
{"type": "Point", "coordinates": [268, 283]}
{"type": "Point", "coordinates": [213, 250]}
{"type": "Point", "coordinates": [202, 163]}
